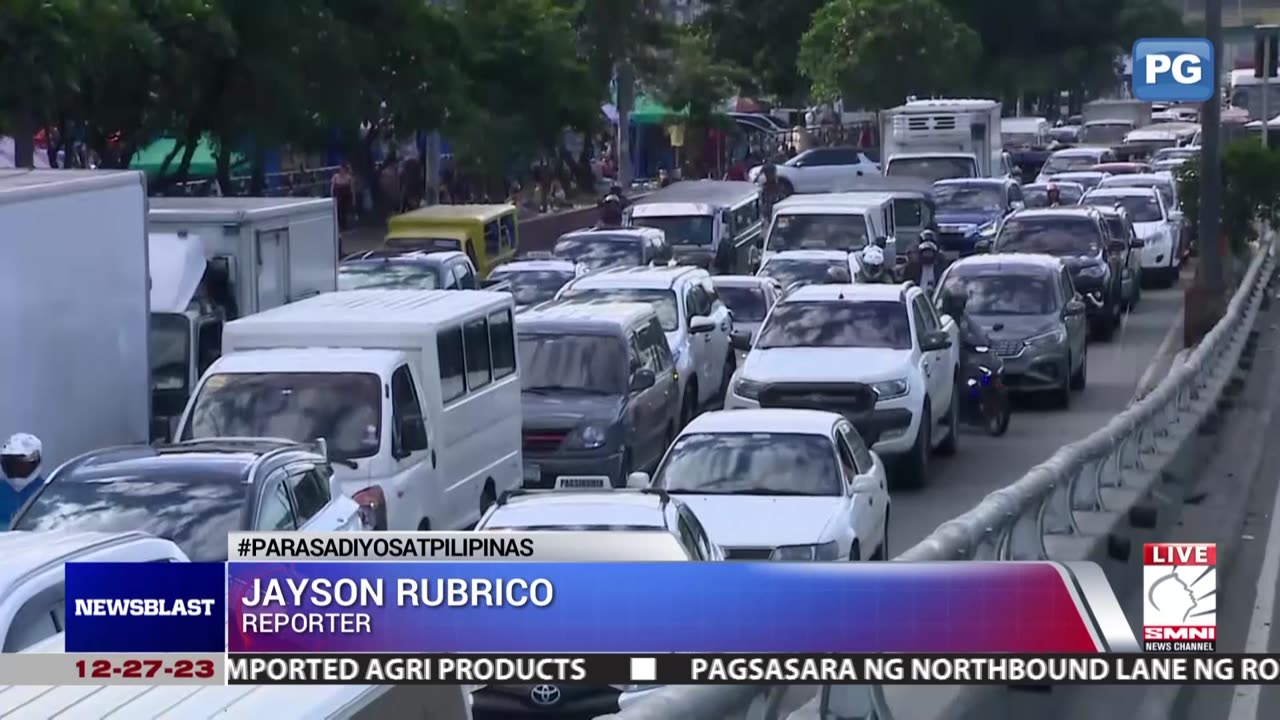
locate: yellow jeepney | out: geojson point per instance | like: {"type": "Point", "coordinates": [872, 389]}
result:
{"type": "Point", "coordinates": [488, 234]}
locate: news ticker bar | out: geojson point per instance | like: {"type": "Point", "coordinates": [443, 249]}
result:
{"type": "Point", "coordinates": [616, 669]}
{"type": "Point", "coordinates": [444, 546]}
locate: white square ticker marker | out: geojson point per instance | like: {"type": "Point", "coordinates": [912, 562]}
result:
{"type": "Point", "coordinates": [644, 669]}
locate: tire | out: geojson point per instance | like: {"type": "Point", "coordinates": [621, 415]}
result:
{"type": "Point", "coordinates": [689, 406]}
{"type": "Point", "coordinates": [730, 367]}
{"type": "Point", "coordinates": [1169, 276]}
{"type": "Point", "coordinates": [1062, 394]}
{"type": "Point", "coordinates": [951, 444]}
{"type": "Point", "coordinates": [1104, 328]}
{"type": "Point", "coordinates": [998, 424]}
{"type": "Point", "coordinates": [915, 467]}
{"type": "Point", "coordinates": [1080, 378]}
{"type": "Point", "coordinates": [882, 552]}
{"type": "Point", "coordinates": [855, 552]}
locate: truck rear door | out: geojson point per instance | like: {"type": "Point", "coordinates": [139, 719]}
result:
{"type": "Point", "coordinates": [273, 269]}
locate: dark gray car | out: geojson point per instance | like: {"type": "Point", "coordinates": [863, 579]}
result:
{"type": "Point", "coordinates": [1033, 316]}
{"type": "Point", "coordinates": [600, 393]}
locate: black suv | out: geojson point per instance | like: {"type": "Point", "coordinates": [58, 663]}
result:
{"type": "Point", "coordinates": [1080, 237]}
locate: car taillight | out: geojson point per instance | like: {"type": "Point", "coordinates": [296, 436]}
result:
{"type": "Point", "coordinates": [373, 507]}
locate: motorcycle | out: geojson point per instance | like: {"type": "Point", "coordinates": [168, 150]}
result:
{"type": "Point", "coordinates": [986, 402]}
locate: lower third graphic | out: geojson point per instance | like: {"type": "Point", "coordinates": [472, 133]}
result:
{"type": "Point", "coordinates": [1180, 597]}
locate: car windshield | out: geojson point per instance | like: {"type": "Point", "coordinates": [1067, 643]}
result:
{"type": "Point", "coordinates": [680, 230]}
{"type": "Point", "coordinates": [750, 464]}
{"type": "Point", "coordinates": [1067, 163]}
{"type": "Point", "coordinates": [1020, 139]}
{"type": "Point", "coordinates": [1141, 209]}
{"type": "Point", "coordinates": [1105, 133]}
{"type": "Point", "coordinates": [1143, 181]}
{"type": "Point", "coordinates": [748, 304]}
{"type": "Point", "coordinates": [600, 250]}
{"type": "Point", "coordinates": [807, 271]}
{"type": "Point", "coordinates": [964, 197]}
{"type": "Point", "coordinates": [838, 324]}
{"type": "Point", "coordinates": [170, 344]}
{"type": "Point", "coordinates": [566, 363]}
{"type": "Point", "coordinates": [530, 287]}
{"type": "Point", "coordinates": [195, 511]}
{"type": "Point", "coordinates": [663, 301]}
{"type": "Point", "coordinates": [391, 275]}
{"type": "Point", "coordinates": [1060, 236]}
{"type": "Point", "coordinates": [1003, 294]}
{"type": "Point", "coordinates": [1038, 196]}
{"type": "Point", "coordinates": [932, 169]}
{"type": "Point", "coordinates": [847, 232]}
{"type": "Point", "coordinates": [344, 408]}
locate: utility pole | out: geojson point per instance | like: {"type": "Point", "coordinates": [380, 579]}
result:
{"type": "Point", "coordinates": [1204, 302]}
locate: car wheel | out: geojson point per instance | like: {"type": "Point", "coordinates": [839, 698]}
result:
{"type": "Point", "coordinates": [1062, 394]}
{"type": "Point", "coordinates": [730, 366]}
{"type": "Point", "coordinates": [855, 552]}
{"type": "Point", "coordinates": [951, 444]}
{"type": "Point", "coordinates": [882, 552]}
{"type": "Point", "coordinates": [1080, 378]}
{"type": "Point", "coordinates": [915, 467]}
{"type": "Point", "coordinates": [689, 406]}
{"type": "Point", "coordinates": [1170, 277]}
{"type": "Point", "coordinates": [1102, 328]}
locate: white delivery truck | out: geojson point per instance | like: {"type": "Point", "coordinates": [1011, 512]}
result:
{"type": "Point", "coordinates": [74, 305]}
{"type": "Point", "coordinates": [217, 259]}
{"type": "Point", "coordinates": [415, 392]}
{"type": "Point", "coordinates": [1106, 122]}
{"type": "Point", "coordinates": [943, 139]}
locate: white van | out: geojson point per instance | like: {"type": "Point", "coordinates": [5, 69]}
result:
{"type": "Point", "coordinates": [846, 221]}
{"type": "Point", "coordinates": [415, 392]}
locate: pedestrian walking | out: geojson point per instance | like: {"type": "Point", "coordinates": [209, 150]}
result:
{"type": "Point", "coordinates": [342, 189]}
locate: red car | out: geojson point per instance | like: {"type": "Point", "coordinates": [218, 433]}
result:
{"type": "Point", "coordinates": [1122, 168]}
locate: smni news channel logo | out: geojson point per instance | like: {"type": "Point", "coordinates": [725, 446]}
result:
{"type": "Point", "coordinates": [1173, 69]}
{"type": "Point", "coordinates": [1179, 597]}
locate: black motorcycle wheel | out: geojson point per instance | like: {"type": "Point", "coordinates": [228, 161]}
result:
{"type": "Point", "coordinates": [997, 417]}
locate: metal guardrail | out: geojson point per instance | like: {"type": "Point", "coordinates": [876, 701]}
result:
{"type": "Point", "coordinates": [1013, 522]}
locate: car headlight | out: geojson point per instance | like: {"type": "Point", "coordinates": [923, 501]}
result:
{"type": "Point", "coordinates": [748, 389]}
{"type": "Point", "coordinates": [825, 551]}
{"type": "Point", "coordinates": [587, 437]}
{"type": "Point", "coordinates": [890, 389]}
{"type": "Point", "coordinates": [1056, 336]}
{"type": "Point", "coordinates": [1094, 271]}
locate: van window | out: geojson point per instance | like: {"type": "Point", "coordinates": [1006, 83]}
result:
{"type": "Point", "coordinates": [310, 494]}
{"type": "Point", "coordinates": [502, 344]}
{"type": "Point", "coordinates": [508, 223]}
{"type": "Point", "coordinates": [409, 430]}
{"type": "Point", "coordinates": [477, 351]}
{"type": "Point", "coordinates": [907, 212]}
{"type": "Point", "coordinates": [453, 368]}
{"type": "Point", "coordinates": [492, 244]}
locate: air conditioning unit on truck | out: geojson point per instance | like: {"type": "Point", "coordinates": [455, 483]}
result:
{"type": "Point", "coordinates": [942, 139]}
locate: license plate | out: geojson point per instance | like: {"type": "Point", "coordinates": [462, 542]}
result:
{"type": "Point", "coordinates": [532, 474]}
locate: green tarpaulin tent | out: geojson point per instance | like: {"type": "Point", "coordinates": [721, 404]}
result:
{"type": "Point", "coordinates": [651, 112]}
{"type": "Point", "coordinates": [203, 163]}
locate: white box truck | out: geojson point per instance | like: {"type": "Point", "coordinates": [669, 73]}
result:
{"type": "Point", "coordinates": [1106, 122]}
{"type": "Point", "coordinates": [415, 392]}
{"type": "Point", "coordinates": [217, 259]}
{"type": "Point", "coordinates": [942, 139]}
{"type": "Point", "coordinates": [74, 305]}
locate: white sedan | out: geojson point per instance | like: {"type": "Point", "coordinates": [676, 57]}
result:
{"type": "Point", "coordinates": [779, 484]}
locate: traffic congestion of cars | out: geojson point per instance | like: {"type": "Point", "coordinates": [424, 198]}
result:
{"type": "Point", "coordinates": [715, 364]}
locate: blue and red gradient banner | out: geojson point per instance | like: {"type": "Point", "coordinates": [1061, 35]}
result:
{"type": "Point", "coordinates": [768, 607]}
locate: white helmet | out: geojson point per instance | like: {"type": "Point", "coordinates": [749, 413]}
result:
{"type": "Point", "coordinates": [872, 255]}
{"type": "Point", "coordinates": [23, 445]}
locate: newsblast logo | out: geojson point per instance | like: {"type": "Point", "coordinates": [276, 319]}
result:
{"type": "Point", "coordinates": [1173, 69]}
{"type": "Point", "coordinates": [1180, 597]}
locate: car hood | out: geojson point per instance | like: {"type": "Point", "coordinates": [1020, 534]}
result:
{"type": "Point", "coordinates": [734, 521]}
{"type": "Point", "coordinates": [866, 365]}
{"type": "Point", "coordinates": [1148, 229]}
{"type": "Point", "coordinates": [1015, 327]}
{"type": "Point", "coordinates": [965, 218]}
{"type": "Point", "coordinates": [559, 410]}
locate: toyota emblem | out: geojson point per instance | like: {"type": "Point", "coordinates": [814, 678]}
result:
{"type": "Point", "coordinates": [545, 694]}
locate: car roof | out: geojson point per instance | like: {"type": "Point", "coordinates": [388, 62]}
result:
{"type": "Point", "coordinates": [391, 255]}
{"type": "Point", "coordinates": [1008, 261]}
{"type": "Point", "coordinates": [1080, 151]}
{"type": "Point", "coordinates": [828, 255]}
{"type": "Point", "coordinates": [27, 552]}
{"type": "Point", "coordinates": [1137, 180]}
{"type": "Point", "coordinates": [571, 508]}
{"type": "Point", "coordinates": [1061, 211]}
{"type": "Point", "coordinates": [837, 291]}
{"type": "Point", "coordinates": [743, 281]}
{"type": "Point", "coordinates": [1080, 174]}
{"type": "Point", "coordinates": [585, 316]}
{"type": "Point", "coordinates": [567, 266]}
{"type": "Point", "coordinates": [655, 278]}
{"type": "Point", "coordinates": [773, 420]}
{"type": "Point", "coordinates": [1057, 183]}
{"type": "Point", "coordinates": [997, 182]}
{"type": "Point", "coordinates": [1122, 191]}
{"type": "Point", "coordinates": [626, 233]}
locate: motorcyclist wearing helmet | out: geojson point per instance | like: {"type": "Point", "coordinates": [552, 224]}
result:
{"type": "Point", "coordinates": [929, 262]}
{"type": "Point", "coordinates": [1053, 196]}
{"type": "Point", "coordinates": [871, 267]}
{"type": "Point", "coordinates": [20, 460]}
{"type": "Point", "coordinates": [610, 213]}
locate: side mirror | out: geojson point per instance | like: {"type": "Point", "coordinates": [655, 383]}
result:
{"type": "Point", "coordinates": [865, 484]}
{"type": "Point", "coordinates": [1136, 243]}
{"type": "Point", "coordinates": [1074, 307]}
{"type": "Point", "coordinates": [982, 246]}
{"type": "Point", "coordinates": [936, 340]}
{"type": "Point", "coordinates": [740, 340]}
{"type": "Point", "coordinates": [638, 480]}
{"type": "Point", "coordinates": [643, 379]}
{"type": "Point", "coordinates": [701, 324]}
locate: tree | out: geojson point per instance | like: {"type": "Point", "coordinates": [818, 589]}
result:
{"type": "Point", "coordinates": [762, 36]}
{"type": "Point", "coordinates": [875, 53]}
{"type": "Point", "coordinates": [526, 82]}
{"type": "Point", "coordinates": [699, 83]}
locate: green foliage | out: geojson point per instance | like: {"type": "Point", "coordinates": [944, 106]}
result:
{"type": "Point", "coordinates": [697, 80]}
{"type": "Point", "coordinates": [762, 36]}
{"type": "Point", "coordinates": [875, 53]}
{"type": "Point", "coordinates": [1250, 191]}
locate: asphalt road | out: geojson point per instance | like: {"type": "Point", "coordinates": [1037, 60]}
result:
{"type": "Point", "coordinates": [984, 464]}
